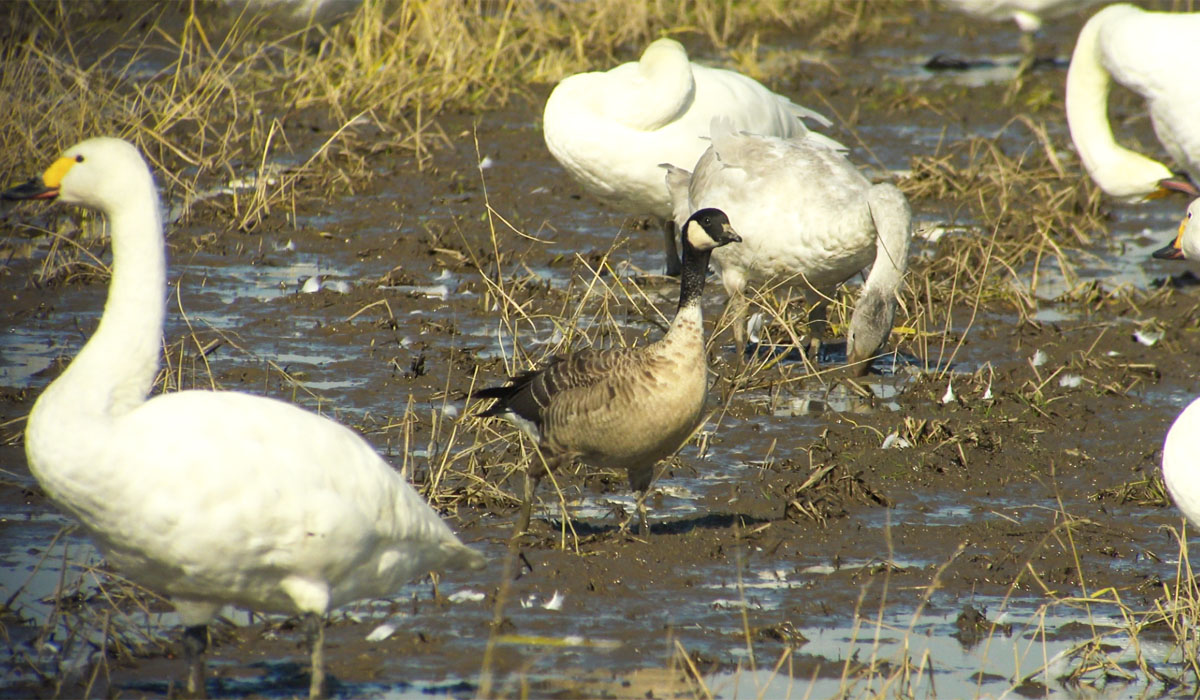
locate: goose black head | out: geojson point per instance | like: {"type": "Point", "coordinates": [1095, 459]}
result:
{"type": "Point", "coordinates": [709, 228]}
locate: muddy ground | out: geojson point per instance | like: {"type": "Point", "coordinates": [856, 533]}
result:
{"type": "Point", "coordinates": [1003, 502]}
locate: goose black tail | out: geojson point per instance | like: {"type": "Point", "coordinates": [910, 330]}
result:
{"type": "Point", "coordinates": [506, 394]}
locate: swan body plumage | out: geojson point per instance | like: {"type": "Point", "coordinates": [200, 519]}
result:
{"type": "Point", "coordinates": [240, 500]}
{"type": "Point", "coordinates": [1153, 54]}
{"type": "Point", "coordinates": [807, 217]}
{"type": "Point", "coordinates": [611, 129]}
{"type": "Point", "coordinates": [1181, 462]}
{"type": "Point", "coordinates": [210, 497]}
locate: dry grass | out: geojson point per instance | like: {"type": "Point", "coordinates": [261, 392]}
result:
{"type": "Point", "coordinates": [219, 100]}
{"type": "Point", "coordinates": [206, 91]}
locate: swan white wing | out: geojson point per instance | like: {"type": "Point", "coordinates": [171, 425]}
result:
{"type": "Point", "coordinates": [748, 104]}
{"type": "Point", "coordinates": [799, 207]}
{"type": "Point", "coordinates": [227, 495]}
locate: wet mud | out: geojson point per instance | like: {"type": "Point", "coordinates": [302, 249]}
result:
{"type": "Point", "coordinates": [785, 532]}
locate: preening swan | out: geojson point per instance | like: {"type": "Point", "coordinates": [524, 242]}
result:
{"type": "Point", "coordinates": [210, 497]}
{"type": "Point", "coordinates": [625, 408]}
{"type": "Point", "coordinates": [1153, 54]}
{"type": "Point", "coordinates": [610, 130]}
{"type": "Point", "coordinates": [807, 217]}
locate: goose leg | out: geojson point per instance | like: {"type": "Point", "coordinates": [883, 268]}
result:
{"type": "Point", "coordinates": [643, 522]}
{"type": "Point", "coordinates": [531, 483]}
{"type": "Point", "coordinates": [674, 266]}
{"type": "Point", "coordinates": [314, 632]}
{"type": "Point", "coordinates": [818, 327]}
{"type": "Point", "coordinates": [195, 643]}
{"type": "Point", "coordinates": [640, 481]}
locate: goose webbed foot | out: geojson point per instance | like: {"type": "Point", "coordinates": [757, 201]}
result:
{"type": "Point", "coordinates": [643, 521]}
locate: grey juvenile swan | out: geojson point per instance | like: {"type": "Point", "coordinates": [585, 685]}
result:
{"type": "Point", "coordinates": [807, 217]}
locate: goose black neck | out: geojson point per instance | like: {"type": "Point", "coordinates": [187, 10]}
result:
{"type": "Point", "coordinates": [693, 274]}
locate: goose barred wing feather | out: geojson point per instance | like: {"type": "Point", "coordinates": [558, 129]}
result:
{"type": "Point", "coordinates": [529, 394]}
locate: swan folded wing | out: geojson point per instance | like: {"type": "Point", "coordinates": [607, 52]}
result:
{"type": "Point", "coordinates": [749, 104]}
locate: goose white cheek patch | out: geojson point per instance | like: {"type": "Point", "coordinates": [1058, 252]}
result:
{"type": "Point", "coordinates": [698, 237]}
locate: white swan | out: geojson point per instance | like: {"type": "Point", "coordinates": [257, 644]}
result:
{"type": "Point", "coordinates": [807, 217]}
{"type": "Point", "coordinates": [610, 130]}
{"type": "Point", "coordinates": [1153, 54]}
{"type": "Point", "coordinates": [208, 497]}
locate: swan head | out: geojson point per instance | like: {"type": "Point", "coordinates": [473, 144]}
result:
{"type": "Point", "coordinates": [1186, 245]}
{"type": "Point", "coordinates": [708, 229]}
{"type": "Point", "coordinates": [95, 173]}
{"type": "Point", "coordinates": [870, 325]}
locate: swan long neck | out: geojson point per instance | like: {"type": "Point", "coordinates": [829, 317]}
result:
{"type": "Point", "coordinates": [114, 371]}
{"type": "Point", "coordinates": [1118, 171]}
{"type": "Point", "coordinates": [894, 232]}
{"type": "Point", "coordinates": [1088, 84]}
{"type": "Point", "coordinates": [887, 272]}
{"type": "Point", "coordinates": [875, 311]}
